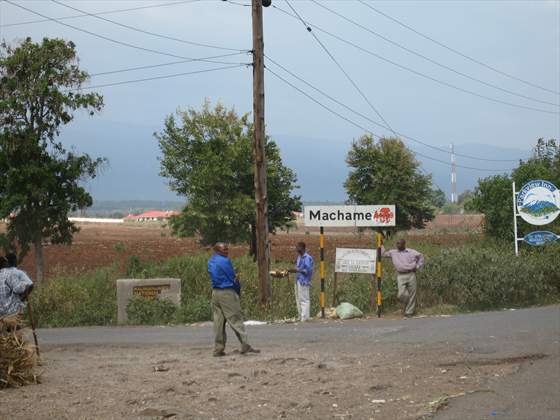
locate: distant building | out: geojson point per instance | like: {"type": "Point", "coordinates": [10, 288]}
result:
{"type": "Point", "coordinates": [151, 216]}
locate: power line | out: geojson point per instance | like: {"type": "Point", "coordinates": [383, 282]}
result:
{"type": "Point", "coordinates": [151, 66]}
{"type": "Point", "coordinates": [115, 41]}
{"type": "Point", "coordinates": [355, 124]}
{"type": "Point", "coordinates": [133, 28]}
{"type": "Point", "coordinates": [125, 82]}
{"type": "Point", "coordinates": [447, 47]}
{"type": "Point", "coordinates": [108, 12]}
{"type": "Point", "coordinates": [339, 66]}
{"type": "Point", "coordinates": [378, 124]}
{"type": "Point", "coordinates": [411, 51]}
{"type": "Point", "coordinates": [339, 38]}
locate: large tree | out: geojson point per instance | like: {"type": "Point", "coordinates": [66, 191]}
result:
{"type": "Point", "coordinates": [41, 181]}
{"type": "Point", "coordinates": [386, 172]}
{"type": "Point", "coordinates": [493, 195]}
{"type": "Point", "coordinates": [207, 156]}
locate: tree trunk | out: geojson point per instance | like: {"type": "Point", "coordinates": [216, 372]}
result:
{"type": "Point", "coordinates": [39, 260]}
{"type": "Point", "coordinates": [253, 244]}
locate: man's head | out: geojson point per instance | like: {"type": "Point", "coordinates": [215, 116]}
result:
{"type": "Point", "coordinates": [12, 259]}
{"type": "Point", "coordinates": [300, 248]}
{"type": "Point", "coordinates": [401, 244]}
{"type": "Point", "coordinates": [221, 248]}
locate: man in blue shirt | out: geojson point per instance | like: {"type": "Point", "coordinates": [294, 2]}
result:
{"type": "Point", "coordinates": [304, 270]}
{"type": "Point", "coordinates": [225, 301]}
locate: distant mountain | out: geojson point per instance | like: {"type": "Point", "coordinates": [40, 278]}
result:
{"type": "Point", "coordinates": [538, 208]}
{"type": "Point", "coordinates": [133, 170]}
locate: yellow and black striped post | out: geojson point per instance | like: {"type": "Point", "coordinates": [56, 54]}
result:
{"type": "Point", "coordinates": [378, 243]}
{"type": "Point", "coordinates": [322, 270]}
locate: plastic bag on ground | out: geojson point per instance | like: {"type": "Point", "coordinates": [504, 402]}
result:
{"type": "Point", "coordinates": [346, 311]}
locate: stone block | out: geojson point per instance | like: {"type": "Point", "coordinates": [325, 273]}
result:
{"type": "Point", "coordinates": [162, 288]}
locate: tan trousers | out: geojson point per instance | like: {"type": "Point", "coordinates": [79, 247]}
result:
{"type": "Point", "coordinates": [407, 292]}
{"type": "Point", "coordinates": [226, 308]}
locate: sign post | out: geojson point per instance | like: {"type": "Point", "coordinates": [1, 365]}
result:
{"type": "Point", "coordinates": [378, 243]}
{"type": "Point", "coordinates": [348, 216]}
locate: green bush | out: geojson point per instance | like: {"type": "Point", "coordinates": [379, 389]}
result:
{"type": "Point", "coordinates": [469, 275]}
{"type": "Point", "coordinates": [150, 311]}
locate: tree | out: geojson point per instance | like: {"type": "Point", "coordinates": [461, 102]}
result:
{"type": "Point", "coordinates": [207, 156]}
{"type": "Point", "coordinates": [493, 195]}
{"type": "Point", "coordinates": [438, 198]}
{"type": "Point", "coordinates": [387, 172]}
{"type": "Point", "coordinates": [40, 181]}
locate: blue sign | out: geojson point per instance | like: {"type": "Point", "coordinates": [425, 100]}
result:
{"type": "Point", "coordinates": [540, 238]}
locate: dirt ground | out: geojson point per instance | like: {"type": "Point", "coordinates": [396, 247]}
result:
{"type": "Point", "coordinates": [339, 380]}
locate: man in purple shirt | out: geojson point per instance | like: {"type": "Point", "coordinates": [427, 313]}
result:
{"type": "Point", "coordinates": [406, 261]}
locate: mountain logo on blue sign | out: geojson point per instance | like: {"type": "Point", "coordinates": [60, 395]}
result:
{"type": "Point", "coordinates": [540, 238]}
{"type": "Point", "coordinates": [538, 202]}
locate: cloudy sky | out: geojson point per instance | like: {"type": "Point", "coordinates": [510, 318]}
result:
{"type": "Point", "coordinates": [489, 82]}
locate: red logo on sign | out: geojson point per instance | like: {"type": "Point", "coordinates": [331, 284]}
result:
{"type": "Point", "coordinates": [383, 215]}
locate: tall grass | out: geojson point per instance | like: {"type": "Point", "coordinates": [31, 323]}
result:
{"type": "Point", "coordinates": [475, 276]}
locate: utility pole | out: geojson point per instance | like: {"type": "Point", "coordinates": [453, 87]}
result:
{"type": "Point", "coordinates": [453, 176]}
{"type": "Point", "coordinates": [261, 198]}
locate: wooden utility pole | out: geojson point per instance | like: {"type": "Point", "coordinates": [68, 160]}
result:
{"type": "Point", "coordinates": [261, 197]}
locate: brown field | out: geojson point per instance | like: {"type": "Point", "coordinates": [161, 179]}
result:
{"type": "Point", "coordinates": [100, 245]}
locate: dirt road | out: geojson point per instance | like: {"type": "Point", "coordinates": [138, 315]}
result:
{"type": "Point", "coordinates": [359, 369]}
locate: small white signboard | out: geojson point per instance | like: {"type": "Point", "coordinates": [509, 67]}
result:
{"type": "Point", "coordinates": [350, 216]}
{"type": "Point", "coordinates": [351, 260]}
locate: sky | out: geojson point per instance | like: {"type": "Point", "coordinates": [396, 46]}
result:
{"type": "Point", "coordinates": [415, 88]}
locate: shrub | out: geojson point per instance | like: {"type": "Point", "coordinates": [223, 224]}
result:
{"type": "Point", "coordinates": [150, 311]}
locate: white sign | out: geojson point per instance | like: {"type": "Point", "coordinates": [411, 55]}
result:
{"type": "Point", "coordinates": [353, 216]}
{"type": "Point", "coordinates": [350, 260]}
{"type": "Point", "coordinates": [538, 202]}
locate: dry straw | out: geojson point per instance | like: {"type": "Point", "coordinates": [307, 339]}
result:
{"type": "Point", "coordinates": [17, 356]}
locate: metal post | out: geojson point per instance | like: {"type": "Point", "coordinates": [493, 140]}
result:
{"type": "Point", "coordinates": [515, 220]}
{"type": "Point", "coordinates": [261, 198]}
{"type": "Point", "coordinates": [378, 243]}
{"type": "Point", "coordinates": [322, 269]}
{"type": "Point", "coordinates": [334, 290]}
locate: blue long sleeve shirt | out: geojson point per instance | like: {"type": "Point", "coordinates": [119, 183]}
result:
{"type": "Point", "coordinates": [221, 272]}
{"type": "Point", "coordinates": [304, 265]}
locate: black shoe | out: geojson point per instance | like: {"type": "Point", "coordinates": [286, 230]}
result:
{"type": "Point", "coordinates": [219, 353]}
{"type": "Point", "coordinates": [249, 349]}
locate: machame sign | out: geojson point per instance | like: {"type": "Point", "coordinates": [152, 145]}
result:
{"type": "Point", "coordinates": [150, 292]}
{"type": "Point", "coordinates": [350, 216]}
{"type": "Point", "coordinates": [351, 260]}
{"type": "Point", "coordinates": [538, 202]}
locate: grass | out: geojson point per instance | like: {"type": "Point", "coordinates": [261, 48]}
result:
{"type": "Point", "coordinates": [464, 276]}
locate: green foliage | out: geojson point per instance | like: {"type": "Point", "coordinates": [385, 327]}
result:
{"type": "Point", "coordinates": [40, 181]}
{"type": "Point", "coordinates": [493, 195]}
{"type": "Point", "coordinates": [208, 158]}
{"type": "Point", "coordinates": [468, 274]}
{"type": "Point", "coordinates": [437, 198]}
{"type": "Point", "coordinates": [150, 311]}
{"type": "Point", "coordinates": [90, 299]}
{"type": "Point", "coordinates": [386, 172]}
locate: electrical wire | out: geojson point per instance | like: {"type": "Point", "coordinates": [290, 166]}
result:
{"type": "Point", "coordinates": [339, 38]}
{"type": "Point", "coordinates": [133, 28]}
{"type": "Point", "coordinates": [440, 149]}
{"type": "Point", "coordinates": [365, 129]}
{"type": "Point", "coordinates": [107, 12]}
{"type": "Point", "coordinates": [125, 82]}
{"type": "Point", "coordinates": [437, 63]}
{"type": "Point", "coordinates": [447, 47]}
{"type": "Point", "coordinates": [115, 41]}
{"type": "Point", "coordinates": [340, 66]}
{"type": "Point", "coordinates": [151, 66]}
